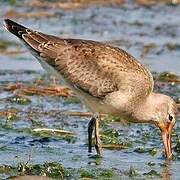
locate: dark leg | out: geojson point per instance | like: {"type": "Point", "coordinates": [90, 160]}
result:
{"type": "Point", "coordinates": [90, 131]}
{"type": "Point", "coordinates": [94, 123]}
{"type": "Point", "coordinates": [97, 139]}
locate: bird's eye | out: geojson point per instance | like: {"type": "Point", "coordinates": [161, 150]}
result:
{"type": "Point", "coordinates": [170, 117]}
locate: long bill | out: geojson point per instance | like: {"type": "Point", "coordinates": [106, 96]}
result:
{"type": "Point", "coordinates": [166, 136]}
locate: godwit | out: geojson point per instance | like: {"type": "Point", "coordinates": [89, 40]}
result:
{"type": "Point", "coordinates": [106, 79]}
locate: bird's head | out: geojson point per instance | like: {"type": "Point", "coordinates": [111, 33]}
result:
{"type": "Point", "coordinates": [165, 119]}
{"type": "Point", "coordinates": [160, 110]}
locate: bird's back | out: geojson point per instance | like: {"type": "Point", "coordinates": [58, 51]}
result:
{"type": "Point", "coordinates": [93, 67]}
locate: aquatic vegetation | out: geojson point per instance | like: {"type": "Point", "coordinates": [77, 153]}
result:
{"type": "Point", "coordinates": [32, 104]}
{"type": "Point", "coordinates": [168, 77]}
{"type": "Point", "coordinates": [55, 170]}
{"type": "Point", "coordinates": [140, 150]}
{"type": "Point", "coordinates": [177, 146]}
{"type": "Point", "coordinates": [11, 117]}
{"type": "Point", "coordinates": [20, 100]}
{"type": "Point", "coordinates": [132, 172]}
{"type": "Point", "coordinates": [152, 173]}
{"type": "Point", "coordinates": [152, 151]}
{"type": "Point", "coordinates": [111, 139]}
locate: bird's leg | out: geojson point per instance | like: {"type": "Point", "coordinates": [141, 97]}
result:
{"type": "Point", "coordinates": [94, 123]}
{"type": "Point", "coordinates": [97, 138]}
{"type": "Point", "coordinates": [91, 125]}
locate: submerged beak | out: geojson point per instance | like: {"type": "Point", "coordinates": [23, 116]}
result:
{"type": "Point", "coordinates": [166, 137]}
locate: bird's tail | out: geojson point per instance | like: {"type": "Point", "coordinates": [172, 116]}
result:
{"type": "Point", "coordinates": [40, 45]}
{"type": "Point", "coordinates": [14, 28]}
{"type": "Point", "coordinates": [32, 39]}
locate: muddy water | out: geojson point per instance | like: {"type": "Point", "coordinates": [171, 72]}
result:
{"type": "Point", "coordinates": [151, 34]}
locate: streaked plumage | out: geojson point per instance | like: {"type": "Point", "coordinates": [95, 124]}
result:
{"type": "Point", "coordinates": [107, 79]}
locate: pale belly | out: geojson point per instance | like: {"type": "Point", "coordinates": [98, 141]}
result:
{"type": "Point", "coordinates": [95, 105]}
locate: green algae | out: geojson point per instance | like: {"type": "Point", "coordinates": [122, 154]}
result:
{"type": "Point", "coordinates": [140, 150]}
{"type": "Point", "coordinates": [113, 158]}
{"type": "Point", "coordinates": [106, 173]}
{"type": "Point", "coordinates": [172, 46]}
{"type": "Point", "coordinates": [111, 139]}
{"type": "Point", "coordinates": [152, 173]}
{"type": "Point", "coordinates": [72, 100]}
{"type": "Point", "coordinates": [153, 151]}
{"type": "Point", "coordinates": [12, 117]}
{"type": "Point", "coordinates": [168, 77]}
{"type": "Point", "coordinates": [132, 172]}
{"type": "Point", "coordinates": [151, 163]}
{"type": "Point", "coordinates": [48, 169]}
{"type": "Point", "coordinates": [84, 173]}
{"type": "Point", "coordinates": [97, 173]}
{"type": "Point", "coordinates": [4, 44]}
{"type": "Point", "coordinates": [55, 170]}
{"type": "Point", "coordinates": [20, 100]}
{"type": "Point", "coordinates": [177, 146]}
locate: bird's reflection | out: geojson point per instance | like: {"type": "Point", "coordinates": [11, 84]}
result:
{"type": "Point", "coordinates": [166, 171]}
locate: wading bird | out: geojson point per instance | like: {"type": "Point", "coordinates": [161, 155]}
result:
{"type": "Point", "coordinates": [107, 80]}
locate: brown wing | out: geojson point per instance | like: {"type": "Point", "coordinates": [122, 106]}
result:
{"type": "Point", "coordinates": [91, 66]}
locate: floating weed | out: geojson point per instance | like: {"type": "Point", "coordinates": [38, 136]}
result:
{"type": "Point", "coordinates": [168, 77]}
{"type": "Point", "coordinates": [45, 133]}
{"type": "Point", "coordinates": [20, 100]}
{"type": "Point", "coordinates": [115, 146]}
{"type": "Point", "coordinates": [53, 170]}
{"type": "Point", "coordinates": [37, 123]}
{"type": "Point", "coordinates": [147, 48]}
{"type": "Point", "coordinates": [111, 140]}
{"type": "Point", "coordinates": [177, 147]}
{"type": "Point", "coordinates": [172, 46]}
{"type": "Point", "coordinates": [132, 172]}
{"type": "Point", "coordinates": [151, 163]}
{"type": "Point", "coordinates": [152, 173]}
{"type": "Point", "coordinates": [24, 168]}
{"type": "Point", "coordinates": [55, 131]}
{"type": "Point", "coordinates": [49, 133]}
{"type": "Point", "coordinates": [153, 151]}
{"type": "Point", "coordinates": [76, 157]}
{"type": "Point", "coordinates": [110, 132]}
{"type": "Point", "coordinates": [97, 173]}
{"type": "Point", "coordinates": [12, 2]}
{"type": "Point", "coordinates": [12, 117]}
{"type": "Point", "coordinates": [71, 173]}
{"type": "Point", "coordinates": [165, 164]}
{"type": "Point", "coordinates": [95, 159]}
{"type": "Point", "coordinates": [4, 44]}
{"type": "Point", "coordinates": [84, 173]}
{"type": "Point", "coordinates": [49, 169]}
{"type": "Point", "coordinates": [110, 118]}
{"type": "Point", "coordinates": [106, 173]}
{"type": "Point", "coordinates": [110, 136]}
{"type": "Point", "coordinates": [72, 100]}
{"type": "Point", "coordinates": [6, 169]}
{"type": "Point", "coordinates": [56, 170]}
{"type": "Point", "coordinates": [140, 150]}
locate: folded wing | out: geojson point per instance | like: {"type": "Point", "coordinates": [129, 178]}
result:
{"type": "Point", "coordinates": [94, 67]}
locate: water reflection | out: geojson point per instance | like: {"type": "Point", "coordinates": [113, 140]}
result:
{"type": "Point", "coordinates": [166, 170]}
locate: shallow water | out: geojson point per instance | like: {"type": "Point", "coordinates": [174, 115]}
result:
{"type": "Point", "coordinates": [151, 34]}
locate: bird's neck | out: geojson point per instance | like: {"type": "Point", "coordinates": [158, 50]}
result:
{"type": "Point", "coordinates": [146, 110]}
